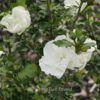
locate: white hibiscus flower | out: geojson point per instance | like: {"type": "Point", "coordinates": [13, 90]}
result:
{"type": "Point", "coordinates": [57, 59]}
{"type": "Point", "coordinates": [18, 21]}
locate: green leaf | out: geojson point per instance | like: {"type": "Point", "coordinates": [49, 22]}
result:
{"type": "Point", "coordinates": [3, 70]}
{"type": "Point", "coordinates": [63, 43]}
{"type": "Point", "coordinates": [28, 72]}
{"type": "Point", "coordinates": [21, 2]}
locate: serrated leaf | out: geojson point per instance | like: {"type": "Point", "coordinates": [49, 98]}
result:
{"type": "Point", "coordinates": [63, 43]}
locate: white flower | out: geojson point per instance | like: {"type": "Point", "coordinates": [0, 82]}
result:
{"type": "Point", "coordinates": [57, 59]}
{"type": "Point", "coordinates": [1, 53]}
{"type": "Point", "coordinates": [18, 21]}
{"type": "Point", "coordinates": [74, 4]}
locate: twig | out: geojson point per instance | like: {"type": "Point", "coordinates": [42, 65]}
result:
{"type": "Point", "coordinates": [50, 15]}
{"type": "Point", "coordinates": [77, 16]}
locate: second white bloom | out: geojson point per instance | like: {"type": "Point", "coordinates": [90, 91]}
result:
{"type": "Point", "coordinates": [18, 21]}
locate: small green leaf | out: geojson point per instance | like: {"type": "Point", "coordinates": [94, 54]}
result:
{"type": "Point", "coordinates": [21, 2]}
{"type": "Point", "coordinates": [28, 72]}
{"type": "Point", "coordinates": [3, 70]}
{"type": "Point", "coordinates": [63, 43]}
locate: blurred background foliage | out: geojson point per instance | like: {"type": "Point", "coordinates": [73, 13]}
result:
{"type": "Point", "coordinates": [20, 74]}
